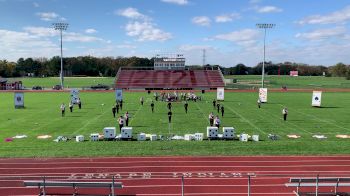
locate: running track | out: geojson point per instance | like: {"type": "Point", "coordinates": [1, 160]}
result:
{"type": "Point", "coordinates": [203, 176]}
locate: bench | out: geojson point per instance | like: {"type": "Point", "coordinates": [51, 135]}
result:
{"type": "Point", "coordinates": [42, 185]}
{"type": "Point", "coordinates": [318, 182]}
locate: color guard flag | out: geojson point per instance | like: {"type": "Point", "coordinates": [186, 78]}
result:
{"type": "Point", "coordinates": [119, 94]}
{"type": "Point", "coordinates": [220, 94]}
{"type": "Point", "coordinates": [316, 98]}
{"type": "Point", "coordinates": [263, 95]}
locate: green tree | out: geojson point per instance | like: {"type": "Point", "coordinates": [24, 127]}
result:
{"type": "Point", "coordinates": [339, 70]}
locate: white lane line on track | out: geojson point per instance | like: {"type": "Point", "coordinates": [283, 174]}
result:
{"type": "Point", "coordinates": [292, 194]}
{"type": "Point", "coordinates": [190, 185]}
{"type": "Point", "coordinates": [170, 194]}
{"type": "Point", "coordinates": [171, 179]}
{"type": "Point", "coordinates": [282, 172]}
{"type": "Point", "coordinates": [182, 157]}
{"type": "Point", "coordinates": [131, 162]}
{"type": "Point", "coordinates": [167, 166]}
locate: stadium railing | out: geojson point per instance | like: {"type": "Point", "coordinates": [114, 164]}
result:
{"type": "Point", "coordinates": [316, 182]}
{"type": "Point", "coordinates": [43, 185]}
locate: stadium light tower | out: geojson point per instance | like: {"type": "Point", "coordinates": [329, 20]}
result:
{"type": "Point", "coordinates": [61, 27]}
{"type": "Point", "coordinates": [264, 26]}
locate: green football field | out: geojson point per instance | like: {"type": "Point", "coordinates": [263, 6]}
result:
{"type": "Point", "coordinates": [42, 116]}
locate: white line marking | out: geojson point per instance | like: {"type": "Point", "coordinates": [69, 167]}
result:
{"type": "Point", "coordinates": [250, 123]}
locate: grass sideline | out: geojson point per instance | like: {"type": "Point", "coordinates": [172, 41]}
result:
{"type": "Point", "coordinates": [69, 82]}
{"type": "Point", "coordinates": [244, 81]}
{"type": "Point", "coordinates": [274, 81]}
{"type": "Point", "coordinates": [42, 116]}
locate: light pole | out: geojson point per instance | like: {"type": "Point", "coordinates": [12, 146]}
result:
{"type": "Point", "coordinates": [264, 26]}
{"type": "Point", "coordinates": [61, 27]}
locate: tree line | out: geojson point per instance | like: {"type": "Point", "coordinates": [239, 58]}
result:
{"type": "Point", "coordinates": [72, 66]}
{"type": "Point", "coordinates": [109, 66]}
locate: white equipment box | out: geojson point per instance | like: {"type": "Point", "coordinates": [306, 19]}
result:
{"type": "Point", "coordinates": [94, 137]}
{"type": "Point", "coordinates": [243, 137]}
{"type": "Point", "coordinates": [255, 138]}
{"type": "Point", "coordinates": [141, 137]}
{"type": "Point", "coordinates": [212, 132]}
{"type": "Point", "coordinates": [126, 133]}
{"type": "Point", "coordinates": [153, 137]}
{"type": "Point", "coordinates": [228, 132]}
{"type": "Point", "coordinates": [79, 138]}
{"type": "Point", "coordinates": [198, 136]}
{"type": "Point", "coordinates": [109, 132]}
{"type": "Point", "coordinates": [189, 137]}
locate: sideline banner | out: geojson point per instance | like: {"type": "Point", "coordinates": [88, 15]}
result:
{"type": "Point", "coordinates": [263, 95]}
{"type": "Point", "coordinates": [19, 100]}
{"type": "Point", "coordinates": [293, 73]}
{"type": "Point", "coordinates": [316, 98]}
{"type": "Point", "coordinates": [220, 94]}
{"type": "Point", "coordinates": [74, 96]}
{"type": "Point", "coordinates": [119, 94]}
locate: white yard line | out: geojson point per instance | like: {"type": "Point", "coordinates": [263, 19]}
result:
{"type": "Point", "coordinates": [248, 121]}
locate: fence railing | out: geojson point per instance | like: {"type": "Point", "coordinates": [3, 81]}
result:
{"type": "Point", "coordinates": [227, 183]}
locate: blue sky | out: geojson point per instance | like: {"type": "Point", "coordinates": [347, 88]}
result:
{"type": "Point", "coordinates": [314, 31]}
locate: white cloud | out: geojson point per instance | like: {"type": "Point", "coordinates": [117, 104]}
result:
{"type": "Point", "coordinates": [178, 2]}
{"type": "Point", "coordinates": [243, 37]}
{"type": "Point", "coordinates": [340, 16]}
{"type": "Point", "coordinates": [47, 16]}
{"type": "Point", "coordinates": [131, 13]}
{"type": "Point", "coordinates": [35, 4]}
{"type": "Point", "coordinates": [321, 34]}
{"type": "Point", "coordinates": [42, 32]}
{"type": "Point", "coordinates": [141, 26]}
{"type": "Point", "coordinates": [201, 20]}
{"type": "Point", "coordinates": [14, 45]}
{"type": "Point", "coordinates": [146, 31]}
{"type": "Point", "coordinates": [227, 17]}
{"type": "Point", "coordinates": [90, 31]}
{"type": "Point", "coordinates": [268, 9]}
{"type": "Point", "coordinates": [77, 37]}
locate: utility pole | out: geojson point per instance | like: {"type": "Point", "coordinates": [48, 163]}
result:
{"type": "Point", "coordinates": [264, 26]}
{"type": "Point", "coordinates": [61, 27]}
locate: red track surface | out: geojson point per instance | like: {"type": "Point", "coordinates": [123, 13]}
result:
{"type": "Point", "coordinates": [203, 176]}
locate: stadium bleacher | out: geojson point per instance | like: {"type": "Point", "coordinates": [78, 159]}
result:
{"type": "Point", "coordinates": [169, 79]}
